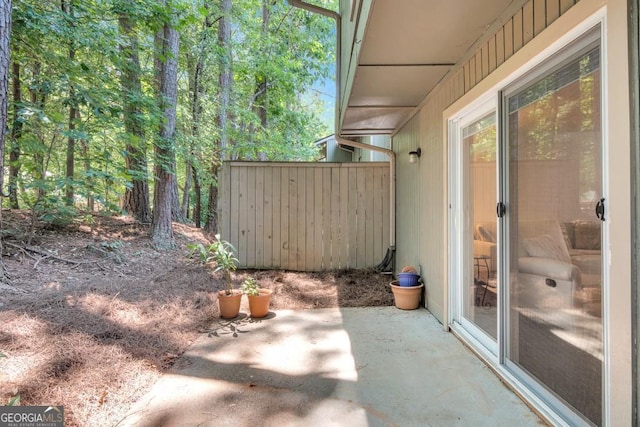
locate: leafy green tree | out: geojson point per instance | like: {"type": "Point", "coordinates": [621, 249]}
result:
{"type": "Point", "coordinates": [55, 79]}
{"type": "Point", "coordinates": [136, 197]}
{"type": "Point", "coordinates": [280, 55]}
{"type": "Point", "coordinates": [200, 46]}
{"type": "Point", "coordinates": [225, 85]}
{"type": "Point", "coordinates": [16, 134]}
{"type": "Point", "coordinates": [89, 88]}
{"type": "Point", "coordinates": [67, 8]}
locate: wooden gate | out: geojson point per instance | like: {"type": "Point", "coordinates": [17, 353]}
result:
{"type": "Point", "coordinates": [305, 216]}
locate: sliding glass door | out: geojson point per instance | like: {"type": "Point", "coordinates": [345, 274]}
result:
{"type": "Point", "coordinates": [527, 209]}
{"type": "Point", "coordinates": [479, 145]}
{"type": "Point", "coordinates": [476, 235]}
{"type": "Point", "coordinates": [553, 141]}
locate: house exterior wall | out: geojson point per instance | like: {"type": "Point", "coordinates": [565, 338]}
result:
{"type": "Point", "coordinates": [337, 154]}
{"type": "Point", "coordinates": [362, 155]}
{"type": "Point", "coordinates": [426, 130]}
{"type": "Point", "coordinates": [422, 202]}
{"type": "Point", "coordinates": [635, 159]}
{"type": "Point", "coordinates": [516, 32]}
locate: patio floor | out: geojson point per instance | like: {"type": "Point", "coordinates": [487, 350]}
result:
{"type": "Point", "coordinates": [376, 366]}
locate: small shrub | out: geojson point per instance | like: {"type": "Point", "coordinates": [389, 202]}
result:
{"type": "Point", "coordinates": [14, 400]}
{"type": "Point", "coordinates": [250, 287]}
{"type": "Point", "coordinates": [112, 245]}
{"type": "Point", "coordinates": [56, 214]}
{"type": "Point", "coordinates": [221, 253]}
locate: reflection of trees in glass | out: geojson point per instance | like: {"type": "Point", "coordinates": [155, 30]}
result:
{"type": "Point", "coordinates": [590, 160]}
{"type": "Point", "coordinates": [480, 137]}
{"type": "Point", "coordinates": [558, 118]}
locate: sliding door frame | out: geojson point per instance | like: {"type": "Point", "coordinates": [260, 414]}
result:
{"type": "Point", "coordinates": [493, 90]}
{"type": "Point", "coordinates": [587, 41]}
{"type": "Point", "coordinates": [484, 106]}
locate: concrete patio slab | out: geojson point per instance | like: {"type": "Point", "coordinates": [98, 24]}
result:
{"type": "Point", "coordinates": [376, 366]}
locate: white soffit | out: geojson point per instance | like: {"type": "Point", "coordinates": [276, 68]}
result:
{"type": "Point", "coordinates": [399, 86]}
{"type": "Point", "coordinates": [408, 47]}
{"type": "Point", "coordinates": [425, 31]}
{"type": "Point", "coordinates": [373, 120]}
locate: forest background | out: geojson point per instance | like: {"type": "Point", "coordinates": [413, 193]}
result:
{"type": "Point", "coordinates": [130, 107]}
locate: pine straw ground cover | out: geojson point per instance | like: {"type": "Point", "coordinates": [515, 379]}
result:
{"type": "Point", "coordinates": [94, 315]}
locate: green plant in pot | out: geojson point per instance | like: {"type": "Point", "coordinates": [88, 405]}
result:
{"type": "Point", "coordinates": [222, 254]}
{"type": "Point", "coordinates": [259, 298]}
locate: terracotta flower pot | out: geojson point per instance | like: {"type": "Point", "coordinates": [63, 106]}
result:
{"type": "Point", "coordinates": [259, 304]}
{"type": "Point", "coordinates": [406, 297]}
{"type": "Point", "coordinates": [229, 304]}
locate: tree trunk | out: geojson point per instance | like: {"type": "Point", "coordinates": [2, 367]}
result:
{"type": "Point", "coordinates": [212, 219]}
{"type": "Point", "coordinates": [136, 197]}
{"type": "Point", "coordinates": [197, 93]}
{"type": "Point", "coordinates": [67, 7]}
{"type": "Point", "coordinates": [166, 73]}
{"type": "Point", "coordinates": [71, 147]}
{"type": "Point", "coordinates": [5, 34]}
{"type": "Point", "coordinates": [176, 210]}
{"type": "Point", "coordinates": [38, 100]}
{"type": "Point", "coordinates": [197, 189]}
{"type": "Point", "coordinates": [16, 134]}
{"type": "Point", "coordinates": [89, 180]}
{"type": "Point", "coordinates": [262, 82]}
{"type": "Point", "coordinates": [184, 206]}
{"type": "Point", "coordinates": [260, 107]}
{"type": "Point", "coordinates": [225, 81]}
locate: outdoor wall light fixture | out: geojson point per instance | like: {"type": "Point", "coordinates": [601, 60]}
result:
{"type": "Point", "coordinates": [413, 155]}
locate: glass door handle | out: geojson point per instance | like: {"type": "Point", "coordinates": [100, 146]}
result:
{"type": "Point", "coordinates": [501, 209]}
{"type": "Point", "coordinates": [600, 209]}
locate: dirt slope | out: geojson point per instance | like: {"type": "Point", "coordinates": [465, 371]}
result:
{"type": "Point", "coordinates": [93, 315]}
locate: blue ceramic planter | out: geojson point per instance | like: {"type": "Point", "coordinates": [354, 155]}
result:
{"type": "Point", "coordinates": [408, 279]}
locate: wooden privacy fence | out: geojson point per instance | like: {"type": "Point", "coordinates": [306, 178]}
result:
{"type": "Point", "coordinates": [305, 216]}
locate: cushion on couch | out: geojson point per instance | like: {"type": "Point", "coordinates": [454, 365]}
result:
{"type": "Point", "coordinates": [569, 234]}
{"type": "Point", "coordinates": [587, 235]}
{"type": "Point", "coordinates": [537, 228]}
{"type": "Point", "coordinates": [581, 235]}
{"type": "Point", "coordinates": [545, 246]}
{"type": "Point", "coordinates": [484, 233]}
